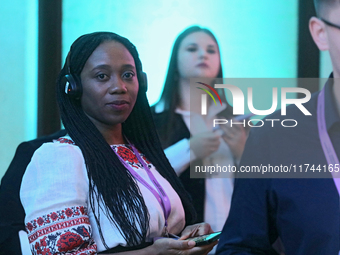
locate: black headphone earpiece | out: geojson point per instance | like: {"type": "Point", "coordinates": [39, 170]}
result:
{"type": "Point", "coordinates": [73, 86]}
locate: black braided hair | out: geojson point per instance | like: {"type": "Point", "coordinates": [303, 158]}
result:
{"type": "Point", "coordinates": [110, 182]}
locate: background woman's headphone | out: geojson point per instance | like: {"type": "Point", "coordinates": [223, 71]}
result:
{"type": "Point", "coordinates": [73, 86]}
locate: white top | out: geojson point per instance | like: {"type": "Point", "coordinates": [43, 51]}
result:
{"type": "Point", "coordinates": [219, 188]}
{"type": "Point", "coordinates": [55, 195]}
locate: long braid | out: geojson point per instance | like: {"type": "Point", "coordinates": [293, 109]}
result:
{"type": "Point", "coordinates": [111, 184]}
{"type": "Point", "coordinates": [101, 162]}
{"type": "Point", "coordinates": [146, 140]}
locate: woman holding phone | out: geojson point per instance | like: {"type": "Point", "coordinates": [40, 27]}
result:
{"type": "Point", "coordinates": [188, 136]}
{"type": "Point", "coordinates": [106, 187]}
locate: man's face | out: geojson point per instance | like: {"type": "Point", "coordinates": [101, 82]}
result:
{"type": "Point", "coordinates": [333, 35]}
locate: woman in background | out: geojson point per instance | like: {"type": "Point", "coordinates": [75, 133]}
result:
{"type": "Point", "coordinates": [196, 54]}
{"type": "Point", "coordinates": [107, 186]}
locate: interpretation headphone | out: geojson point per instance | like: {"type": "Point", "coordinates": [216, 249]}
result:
{"type": "Point", "coordinates": [73, 87]}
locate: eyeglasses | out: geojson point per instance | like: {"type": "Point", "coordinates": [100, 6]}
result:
{"type": "Point", "coordinates": [330, 23]}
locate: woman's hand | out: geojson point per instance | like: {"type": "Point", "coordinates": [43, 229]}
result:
{"type": "Point", "coordinates": [169, 246]}
{"type": "Point", "coordinates": [196, 230]}
{"type": "Point", "coordinates": [235, 137]}
{"type": "Point", "coordinates": [204, 144]}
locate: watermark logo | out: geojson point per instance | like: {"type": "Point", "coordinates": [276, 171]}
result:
{"type": "Point", "coordinates": [238, 100]}
{"type": "Point", "coordinates": [275, 94]}
{"type": "Point", "coordinates": [204, 97]}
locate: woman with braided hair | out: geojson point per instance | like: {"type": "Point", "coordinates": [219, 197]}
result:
{"type": "Point", "coordinates": [106, 187]}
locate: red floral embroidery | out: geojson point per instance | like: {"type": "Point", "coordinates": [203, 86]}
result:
{"type": "Point", "coordinates": [54, 216]}
{"type": "Point", "coordinates": [69, 212]}
{"type": "Point", "coordinates": [71, 235]}
{"type": "Point", "coordinates": [40, 221]}
{"type": "Point", "coordinates": [43, 241]}
{"type": "Point", "coordinates": [41, 247]}
{"type": "Point", "coordinates": [65, 140]}
{"type": "Point", "coordinates": [46, 251]}
{"type": "Point", "coordinates": [127, 155]}
{"type": "Point", "coordinates": [29, 226]}
{"type": "Point", "coordinates": [69, 241]}
{"type": "Point", "coordinates": [84, 232]}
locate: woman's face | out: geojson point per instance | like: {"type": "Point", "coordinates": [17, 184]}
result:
{"type": "Point", "coordinates": [198, 56]}
{"type": "Point", "coordinates": [110, 84]}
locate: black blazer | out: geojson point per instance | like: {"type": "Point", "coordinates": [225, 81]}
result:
{"type": "Point", "coordinates": [12, 214]}
{"type": "Point", "coordinates": [195, 187]}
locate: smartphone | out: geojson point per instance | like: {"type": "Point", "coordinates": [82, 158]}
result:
{"type": "Point", "coordinates": [205, 239]}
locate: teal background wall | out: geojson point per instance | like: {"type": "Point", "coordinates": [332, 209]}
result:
{"type": "Point", "coordinates": [258, 39]}
{"type": "Point", "coordinates": [18, 75]}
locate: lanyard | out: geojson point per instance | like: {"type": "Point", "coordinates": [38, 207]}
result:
{"type": "Point", "coordinates": [161, 196]}
{"type": "Point", "coordinates": [326, 142]}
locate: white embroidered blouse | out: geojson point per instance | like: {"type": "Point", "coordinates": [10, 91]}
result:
{"type": "Point", "coordinates": [55, 195]}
